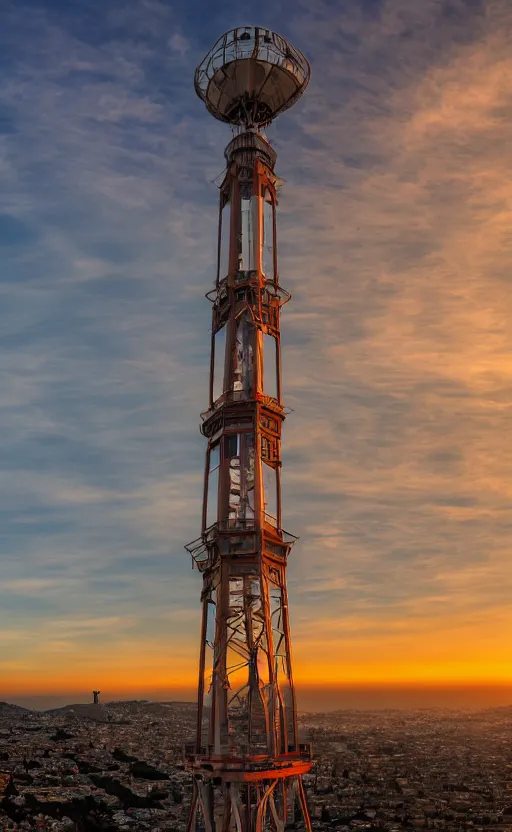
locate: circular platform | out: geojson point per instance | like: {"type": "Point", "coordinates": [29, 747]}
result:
{"type": "Point", "coordinates": [250, 76]}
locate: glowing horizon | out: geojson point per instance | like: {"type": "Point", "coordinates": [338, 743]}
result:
{"type": "Point", "coordinates": [309, 698]}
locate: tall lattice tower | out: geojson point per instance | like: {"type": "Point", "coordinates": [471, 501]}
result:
{"type": "Point", "coordinates": [247, 763]}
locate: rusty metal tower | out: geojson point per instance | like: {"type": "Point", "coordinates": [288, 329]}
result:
{"type": "Point", "coordinates": [246, 761]}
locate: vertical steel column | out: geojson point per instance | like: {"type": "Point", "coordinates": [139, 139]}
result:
{"type": "Point", "coordinates": [252, 722]}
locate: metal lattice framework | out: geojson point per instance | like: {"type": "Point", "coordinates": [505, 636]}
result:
{"type": "Point", "coordinates": [246, 760]}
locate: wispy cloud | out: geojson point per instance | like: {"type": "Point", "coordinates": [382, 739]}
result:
{"type": "Point", "coordinates": [394, 240]}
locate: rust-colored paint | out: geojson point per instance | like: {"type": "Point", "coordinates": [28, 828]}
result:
{"type": "Point", "coordinates": [246, 749]}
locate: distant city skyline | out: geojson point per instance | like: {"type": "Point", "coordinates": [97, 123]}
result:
{"type": "Point", "coordinates": [394, 234]}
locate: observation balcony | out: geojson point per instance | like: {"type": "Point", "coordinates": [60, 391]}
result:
{"type": "Point", "coordinates": [231, 409]}
{"type": "Point", "coordinates": [240, 538]}
{"type": "Point", "coordinates": [247, 767]}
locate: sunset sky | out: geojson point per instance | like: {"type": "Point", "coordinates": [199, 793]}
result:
{"type": "Point", "coordinates": [395, 239]}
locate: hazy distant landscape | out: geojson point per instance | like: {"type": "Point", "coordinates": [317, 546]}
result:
{"type": "Point", "coordinates": [316, 698]}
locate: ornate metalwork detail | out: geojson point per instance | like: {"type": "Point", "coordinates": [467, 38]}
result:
{"type": "Point", "coordinates": [246, 760]}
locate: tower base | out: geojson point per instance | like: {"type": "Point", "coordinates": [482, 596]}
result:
{"type": "Point", "coordinates": [249, 801]}
{"type": "Point", "coordinates": [247, 794]}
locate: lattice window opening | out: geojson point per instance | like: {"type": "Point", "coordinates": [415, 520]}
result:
{"type": "Point", "coordinates": [224, 240]}
{"type": "Point", "coordinates": [263, 661]}
{"type": "Point", "coordinates": [212, 489]}
{"type": "Point", "coordinates": [277, 618]}
{"type": "Point", "coordinates": [248, 228]}
{"type": "Point", "coordinates": [260, 658]}
{"type": "Point", "coordinates": [276, 601]}
{"type": "Point", "coordinates": [254, 596]}
{"type": "Point", "coordinates": [237, 688]}
{"type": "Point", "coordinates": [247, 722]}
{"type": "Point", "coordinates": [211, 621]}
{"type": "Point", "coordinates": [236, 595]}
{"type": "Point", "coordinates": [270, 494]}
{"type": "Point", "coordinates": [258, 720]}
{"type": "Point", "coordinates": [286, 695]}
{"type": "Point", "coordinates": [270, 366]}
{"type": "Point", "coordinates": [236, 637]}
{"type": "Point", "coordinates": [245, 599]}
{"type": "Point", "coordinates": [248, 694]}
{"type": "Point", "coordinates": [269, 448]}
{"type": "Point", "coordinates": [219, 363]}
{"type": "Point", "coordinates": [268, 235]}
{"type": "Point", "coordinates": [239, 453]}
{"type": "Point", "coordinates": [277, 549]}
{"type": "Point", "coordinates": [236, 622]}
{"type": "Point", "coordinates": [238, 702]}
{"type": "Point", "coordinates": [244, 357]}
{"type": "Point", "coordinates": [273, 578]}
{"type": "Point", "coordinates": [284, 717]}
{"type": "Point", "coordinates": [269, 423]}
{"type": "Point", "coordinates": [209, 654]}
{"type": "Point", "coordinates": [232, 457]}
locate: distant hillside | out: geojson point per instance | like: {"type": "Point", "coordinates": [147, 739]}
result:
{"type": "Point", "coordinates": [11, 711]}
{"type": "Point", "coordinates": [121, 709]}
{"type": "Point", "coordinates": [97, 713]}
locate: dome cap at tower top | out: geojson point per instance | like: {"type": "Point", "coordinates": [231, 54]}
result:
{"type": "Point", "coordinates": [250, 76]}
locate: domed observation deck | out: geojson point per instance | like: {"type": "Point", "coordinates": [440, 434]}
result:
{"type": "Point", "coordinates": [250, 76]}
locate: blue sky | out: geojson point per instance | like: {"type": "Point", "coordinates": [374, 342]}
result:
{"type": "Point", "coordinates": [394, 239]}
